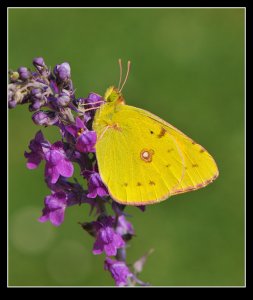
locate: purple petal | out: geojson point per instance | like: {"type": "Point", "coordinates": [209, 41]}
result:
{"type": "Point", "coordinates": [92, 194]}
{"type": "Point", "coordinates": [93, 97]}
{"type": "Point", "coordinates": [72, 130]}
{"type": "Point", "coordinates": [52, 173]}
{"type": "Point", "coordinates": [54, 86]}
{"type": "Point", "coordinates": [79, 123]}
{"type": "Point", "coordinates": [56, 200]}
{"type": "Point", "coordinates": [118, 241]}
{"type": "Point", "coordinates": [62, 71]}
{"type": "Point", "coordinates": [86, 141]}
{"type": "Point", "coordinates": [124, 227]}
{"type": "Point", "coordinates": [101, 192]}
{"type": "Point", "coordinates": [57, 146]}
{"type": "Point", "coordinates": [98, 247]}
{"type": "Point", "coordinates": [39, 137]}
{"type": "Point", "coordinates": [54, 157]}
{"type": "Point", "coordinates": [43, 219]}
{"type": "Point", "coordinates": [57, 217]}
{"type": "Point", "coordinates": [110, 250]}
{"type": "Point", "coordinates": [106, 235]}
{"type": "Point", "coordinates": [118, 270]}
{"type": "Point", "coordinates": [33, 160]}
{"type": "Point", "coordinates": [45, 215]}
{"type": "Point", "coordinates": [65, 168]}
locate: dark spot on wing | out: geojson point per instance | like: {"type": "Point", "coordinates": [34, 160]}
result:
{"type": "Point", "coordinates": [139, 184]}
{"type": "Point", "coordinates": [151, 182]}
{"type": "Point", "coordinates": [152, 132]}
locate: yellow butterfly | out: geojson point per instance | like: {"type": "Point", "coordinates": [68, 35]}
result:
{"type": "Point", "coordinates": [141, 158]}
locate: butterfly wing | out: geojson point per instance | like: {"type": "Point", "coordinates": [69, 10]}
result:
{"type": "Point", "coordinates": [143, 160]}
{"type": "Point", "coordinates": [200, 167]}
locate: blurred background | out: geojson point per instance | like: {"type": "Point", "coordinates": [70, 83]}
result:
{"type": "Point", "coordinates": [187, 68]}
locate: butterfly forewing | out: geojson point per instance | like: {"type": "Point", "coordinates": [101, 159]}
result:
{"type": "Point", "coordinates": [138, 162]}
{"type": "Point", "coordinates": [142, 159]}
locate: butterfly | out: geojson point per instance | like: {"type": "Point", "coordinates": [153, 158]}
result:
{"type": "Point", "coordinates": [141, 158]}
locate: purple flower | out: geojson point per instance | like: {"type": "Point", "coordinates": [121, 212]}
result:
{"type": "Point", "coordinates": [57, 163]}
{"type": "Point", "coordinates": [45, 118]}
{"type": "Point", "coordinates": [85, 139]}
{"type": "Point", "coordinates": [62, 71]}
{"type": "Point", "coordinates": [107, 239]}
{"type": "Point", "coordinates": [55, 205]}
{"type": "Point", "coordinates": [92, 99]}
{"type": "Point", "coordinates": [37, 147]}
{"type": "Point", "coordinates": [95, 184]}
{"type": "Point", "coordinates": [118, 270]}
{"type": "Point", "coordinates": [124, 227]}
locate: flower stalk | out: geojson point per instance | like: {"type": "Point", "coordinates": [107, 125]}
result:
{"type": "Point", "coordinates": [51, 98]}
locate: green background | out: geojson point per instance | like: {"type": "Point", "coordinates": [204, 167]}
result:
{"type": "Point", "coordinates": [188, 68]}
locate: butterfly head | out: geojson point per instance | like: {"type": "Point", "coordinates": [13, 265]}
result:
{"type": "Point", "coordinates": [112, 94]}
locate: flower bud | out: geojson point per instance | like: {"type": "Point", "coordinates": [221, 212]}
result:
{"type": "Point", "coordinates": [12, 104]}
{"type": "Point", "coordinates": [40, 65]}
{"type": "Point", "coordinates": [63, 99]}
{"type": "Point", "coordinates": [24, 73]}
{"type": "Point", "coordinates": [62, 71]}
{"type": "Point", "coordinates": [45, 118]}
{"type": "Point", "coordinates": [35, 105]}
{"type": "Point", "coordinates": [36, 94]}
{"type": "Point", "coordinates": [15, 96]}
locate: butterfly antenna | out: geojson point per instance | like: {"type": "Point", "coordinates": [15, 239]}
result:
{"type": "Point", "coordinates": [120, 73]}
{"type": "Point", "coordinates": [128, 70]}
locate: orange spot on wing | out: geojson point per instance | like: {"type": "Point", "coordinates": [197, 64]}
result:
{"type": "Point", "coordinates": [146, 154]}
{"type": "Point", "coordinates": [162, 133]}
